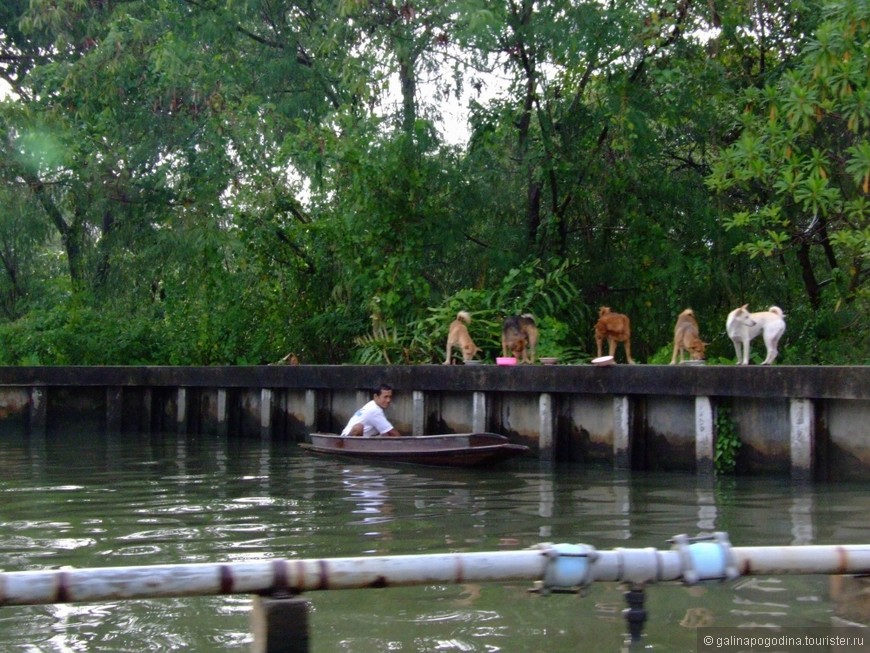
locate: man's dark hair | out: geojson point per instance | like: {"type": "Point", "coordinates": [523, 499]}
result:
{"type": "Point", "coordinates": [381, 388]}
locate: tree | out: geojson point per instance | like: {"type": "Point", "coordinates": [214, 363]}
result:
{"type": "Point", "coordinates": [598, 153]}
{"type": "Point", "coordinates": [233, 180]}
{"type": "Point", "coordinates": [800, 169]}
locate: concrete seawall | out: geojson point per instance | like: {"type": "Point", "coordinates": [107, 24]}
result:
{"type": "Point", "coordinates": [804, 421]}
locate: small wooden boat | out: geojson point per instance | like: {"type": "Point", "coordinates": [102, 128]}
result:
{"type": "Point", "coordinates": [454, 450]}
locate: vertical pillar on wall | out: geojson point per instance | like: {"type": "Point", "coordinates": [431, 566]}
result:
{"type": "Point", "coordinates": [282, 409]}
{"type": "Point", "coordinates": [147, 407]}
{"type": "Point", "coordinates": [478, 412]}
{"type": "Point", "coordinates": [704, 436]}
{"type": "Point", "coordinates": [38, 410]}
{"type": "Point", "coordinates": [266, 413]}
{"type": "Point", "coordinates": [114, 409]}
{"type": "Point", "coordinates": [222, 416]}
{"type": "Point", "coordinates": [621, 433]}
{"type": "Point", "coordinates": [547, 421]}
{"type": "Point", "coordinates": [310, 415]}
{"type": "Point", "coordinates": [279, 625]}
{"type": "Point", "coordinates": [802, 511]}
{"type": "Point", "coordinates": [802, 435]}
{"type": "Point", "coordinates": [418, 412]}
{"type": "Point", "coordinates": [181, 411]}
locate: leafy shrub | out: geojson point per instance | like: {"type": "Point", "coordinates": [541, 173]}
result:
{"type": "Point", "coordinates": [546, 294]}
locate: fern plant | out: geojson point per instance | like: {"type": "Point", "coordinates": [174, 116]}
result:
{"type": "Point", "coordinates": [526, 289]}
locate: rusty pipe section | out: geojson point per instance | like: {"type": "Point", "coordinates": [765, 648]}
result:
{"type": "Point", "coordinates": [554, 565]}
{"type": "Point", "coordinates": [817, 559]}
{"type": "Point", "coordinates": [279, 576]}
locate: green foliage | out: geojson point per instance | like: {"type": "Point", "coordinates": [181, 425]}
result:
{"type": "Point", "coordinates": [226, 183]}
{"type": "Point", "coordinates": [527, 289]}
{"type": "Point", "coordinates": [815, 337]}
{"type": "Point", "coordinates": [801, 163]}
{"type": "Point", "coordinates": [557, 340]}
{"type": "Point", "coordinates": [661, 356]}
{"type": "Point", "coordinates": [727, 442]}
{"type": "Point", "coordinates": [77, 334]}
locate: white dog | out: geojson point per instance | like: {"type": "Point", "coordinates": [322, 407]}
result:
{"type": "Point", "coordinates": [742, 326]}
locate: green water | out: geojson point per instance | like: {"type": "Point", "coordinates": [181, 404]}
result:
{"type": "Point", "coordinates": [91, 500]}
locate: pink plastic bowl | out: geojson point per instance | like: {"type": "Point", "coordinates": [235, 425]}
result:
{"type": "Point", "coordinates": [502, 360]}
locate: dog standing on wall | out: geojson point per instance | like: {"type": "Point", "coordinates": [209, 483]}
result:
{"type": "Point", "coordinates": [458, 336]}
{"type": "Point", "coordinates": [289, 359]}
{"type": "Point", "coordinates": [742, 326]}
{"type": "Point", "coordinates": [519, 336]}
{"type": "Point", "coordinates": [614, 327]}
{"type": "Point", "coordinates": [687, 338]}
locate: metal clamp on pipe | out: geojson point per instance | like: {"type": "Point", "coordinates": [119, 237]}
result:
{"type": "Point", "coordinates": [568, 567]}
{"type": "Point", "coordinates": [706, 557]}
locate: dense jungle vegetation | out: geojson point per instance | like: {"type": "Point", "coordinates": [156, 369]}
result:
{"type": "Point", "coordinates": [213, 182]}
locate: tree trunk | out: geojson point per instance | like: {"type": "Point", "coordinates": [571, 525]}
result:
{"type": "Point", "coordinates": [533, 208]}
{"type": "Point", "coordinates": [811, 284]}
{"type": "Point", "coordinates": [408, 80]}
{"type": "Point", "coordinates": [103, 264]}
{"type": "Point", "coordinates": [70, 235]}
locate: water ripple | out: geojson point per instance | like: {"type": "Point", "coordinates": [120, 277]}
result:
{"type": "Point", "coordinates": [165, 499]}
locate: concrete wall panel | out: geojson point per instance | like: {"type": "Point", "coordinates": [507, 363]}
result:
{"type": "Point", "coordinates": [14, 408]}
{"type": "Point", "coordinates": [518, 417]}
{"type": "Point", "coordinates": [763, 427]}
{"type": "Point", "coordinates": [670, 432]}
{"type": "Point", "coordinates": [563, 412]}
{"type": "Point", "coordinates": [451, 412]}
{"type": "Point", "coordinates": [585, 428]}
{"type": "Point", "coordinates": [848, 430]}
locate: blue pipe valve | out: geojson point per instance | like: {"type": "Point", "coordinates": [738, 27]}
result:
{"type": "Point", "coordinates": [568, 566]}
{"type": "Point", "coordinates": [706, 557]}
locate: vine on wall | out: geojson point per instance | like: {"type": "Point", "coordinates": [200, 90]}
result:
{"type": "Point", "coordinates": [727, 442]}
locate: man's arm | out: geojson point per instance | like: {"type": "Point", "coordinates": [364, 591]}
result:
{"type": "Point", "coordinates": [381, 424]}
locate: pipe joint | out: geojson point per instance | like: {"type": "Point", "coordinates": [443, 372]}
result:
{"type": "Point", "coordinates": [706, 557]}
{"type": "Point", "coordinates": [569, 566]}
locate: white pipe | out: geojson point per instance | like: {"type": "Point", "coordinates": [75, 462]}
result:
{"type": "Point", "coordinates": [264, 577]}
{"type": "Point", "coordinates": [555, 565]}
{"type": "Point", "coordinates": [818, 559]}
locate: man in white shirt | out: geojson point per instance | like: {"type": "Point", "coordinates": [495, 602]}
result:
{"type": "Point", "coordinates": [370, 419]}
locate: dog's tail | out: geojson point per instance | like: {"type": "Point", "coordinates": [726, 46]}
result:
{"type": "Point", "coordinates": [776, 310]}
{"type": "Point", "coordinates": [529, 316]}
{"type": "Point", "coordinates": [464, 316]}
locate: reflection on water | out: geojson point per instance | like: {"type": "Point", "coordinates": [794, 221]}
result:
{"type": "Point", "coordinates": [89, 500]}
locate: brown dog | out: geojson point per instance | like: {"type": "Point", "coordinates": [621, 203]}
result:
{"type": "Point", "coordinates": [687, 338]}
{"type": "Point", "coordinates": [615, 327]}
{"type": "Point", "coordinates": [519, 336]}
{"type": "Point", "coordinates": [289, 359]}
{"type": "Point", "coordinates": [458, 336]}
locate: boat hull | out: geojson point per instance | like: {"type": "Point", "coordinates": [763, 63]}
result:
{"type": "Point", "coordinates": [451, 450]}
